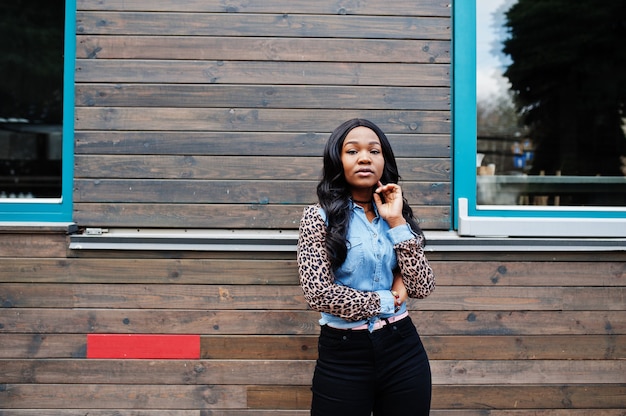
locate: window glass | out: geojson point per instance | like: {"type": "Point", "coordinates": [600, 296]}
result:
{"type": "Point", "coordinates": [550, 102]}
{"type": "Point", "coordinates": [31, 99]}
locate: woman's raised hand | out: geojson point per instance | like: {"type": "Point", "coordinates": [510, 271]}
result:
{"type": "Point", "coordinates": [391, 209]}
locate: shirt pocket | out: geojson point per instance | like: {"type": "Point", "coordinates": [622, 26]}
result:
{"type": "Point", "coordinates": [354, 258]}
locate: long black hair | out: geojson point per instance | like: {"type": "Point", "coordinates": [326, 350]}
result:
{"type": "Point", "coordinates": [333, 191]}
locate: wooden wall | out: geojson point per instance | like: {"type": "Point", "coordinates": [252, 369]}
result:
{"type": "Point", "coordinates": [214, 114]}
{"type": "Point", "coordinates": [539, 334]}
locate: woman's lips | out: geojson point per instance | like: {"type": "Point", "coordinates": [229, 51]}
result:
{"type": "Point", "coordinates": [364, 172]}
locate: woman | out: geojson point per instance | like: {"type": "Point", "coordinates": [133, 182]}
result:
{"type": "Point", "coordinates": [360, 257]}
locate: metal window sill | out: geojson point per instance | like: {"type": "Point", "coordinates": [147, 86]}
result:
{"type": "Point", "coordinates": [286, 240]}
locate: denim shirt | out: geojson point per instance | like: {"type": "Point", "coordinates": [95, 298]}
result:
{"type": "Point", "coordinates": [369, 263]}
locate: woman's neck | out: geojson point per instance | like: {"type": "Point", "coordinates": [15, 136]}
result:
{"type": "Point", "coordinates": [362, 197]}
{"type": "Point", "coordinates": [366, 204]}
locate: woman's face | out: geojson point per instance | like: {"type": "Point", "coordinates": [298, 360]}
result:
{"type": "Point", "coordinates": [362, 158]}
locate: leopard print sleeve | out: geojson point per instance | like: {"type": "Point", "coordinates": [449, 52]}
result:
{"type": "Point", "coordinates": [417, 275]}
{"type": "Point", "coordinates": [316, 277]}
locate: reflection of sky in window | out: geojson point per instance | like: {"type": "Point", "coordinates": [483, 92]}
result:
{"type": "Point", "coordinates": [490, 61]}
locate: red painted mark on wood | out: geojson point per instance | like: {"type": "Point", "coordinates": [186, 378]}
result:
{"type": "Point", "coordinates": [143, 346]}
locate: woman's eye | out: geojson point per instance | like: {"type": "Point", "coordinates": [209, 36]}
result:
{"type": "Point", "coordinates": [375, 151]}
{"type": "Point", "coordinates": [352, 152]}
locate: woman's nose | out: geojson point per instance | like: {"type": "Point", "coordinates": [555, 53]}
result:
{"type": "Point", "coordinates": [364, 158]}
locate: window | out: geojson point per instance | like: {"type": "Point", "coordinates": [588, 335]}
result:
{"type": "Point", "coordinates": [539, 139]}
{"type": "Point", "coordinates": [36, 110]}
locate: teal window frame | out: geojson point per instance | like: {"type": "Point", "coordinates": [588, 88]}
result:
{"type": "Point", "coordinates": [473, 220]}
{"type": "Point", "coordinates": [55, 209]}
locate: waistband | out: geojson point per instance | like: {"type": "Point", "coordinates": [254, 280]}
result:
{"type": "Point", "coordinates": [377, 325]}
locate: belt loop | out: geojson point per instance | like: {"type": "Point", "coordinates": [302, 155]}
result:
{"type": "Point", "coordinates": [387, 323]}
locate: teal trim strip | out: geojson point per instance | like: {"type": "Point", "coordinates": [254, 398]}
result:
{"type": "Point", "coordinates": [68, 109]}
{"type": "Point", "coordinates": [61, 211]}
{"type": "Point", "coordinates": [464, 130]}
{"type": "Point", "coordinates": [464, 102]}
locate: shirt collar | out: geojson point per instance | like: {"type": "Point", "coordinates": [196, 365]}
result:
{"type": "Point", "coordinates": [356, 207]}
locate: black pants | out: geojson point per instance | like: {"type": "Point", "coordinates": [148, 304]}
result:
{"type": "Point", "coordinates": [385, 372]}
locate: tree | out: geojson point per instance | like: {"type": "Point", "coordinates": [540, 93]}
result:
{"type": "Point", "coordinates": [497, 117]}
{"type": "Point", "coordinates": [568, 78]}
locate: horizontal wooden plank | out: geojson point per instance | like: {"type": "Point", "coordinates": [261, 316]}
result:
{"type": "Point", "coordinates": [263, 48]}
{"type": "Point", "coordinates": [116, 412]}
{"type": "Point", "coordinates": [197, 167]}
{"type": "Point", "coordinates": [262, 72]}
{"type": "Point", "coordinates": [545, 412]}
{"type": "Point", "coordinates": [242, 297]}
{"type": "Point", "coordinates": [111, 396]}
{"type": "Point", "coordinates": [259, 216]}
{"type": "Point", "coordinates": [188, 215]}
{"type": "Point", "coordinates": [241, 143]}
{"type": "Point", "coordinates": [224, 119]}
{"type": "Point", "coordinates": [264, 25]}
{"type": "Point", "coordinates": [275, 347]}
{"type": "Point", "coordinates": [511, 372]}
{"type": "Point", "coordinates": [260, 322]}
{"type": "Point", "coordinates": [290, 397]}
{"type": "Point", "coordinates": [196, 191]}
{"type": "Point", "coordinates": [304, 412]}
{"type": "Point", "coordinates": [299, 372]}
{"type": "Point", "coordinates": [531, 273]}
{"type": "Point", "coordinates": [304, 347]}
{"type": "Point", "coordinates": [376, 7]}
{"type": "Point", "coordinates": [41, 320]}
{"type": "Point", "coordinates": [598, 256]}
{"type": "Point", "coordinates": [130, 296]}
{"type": "Point", "coordinates": [126, 118]}
{"type": "Point", "coordinates": [473, 298]}
{"type": "Point", "coordinates": [256, 412]}
{"type": "Point", "coordinates": [496, 399]}
{"type": "Point", "coordinates": [33, 244]}
{"type": "Point", "coordinates": [544, 347]}
{"type": "Point", "coordinates": [43, 345]}
{"type": "Point", "coordinates": [244, 271]}
{"type": "Point", "coordinates": [262, 96]}
{"type": "Point", "coordinates": [553, 412]}
{"type": "Point", "coordinates": [505, 397]}
{"type": "Point", "coordinates": [500, 400]}
{"type": "Point", "coordinates": [159, 372]}
{"type": "Point", "coordinates": [235, 167]}
{"type": "Point", "coordinates": [273, 412]}
{"type": "Point", "coordinates": [105, 269]}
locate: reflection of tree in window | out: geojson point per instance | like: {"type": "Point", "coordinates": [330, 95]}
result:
{"type": "Point", "coordinates": [569, 80]}
{"type": "Point", "coordinates": [31, 86]}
